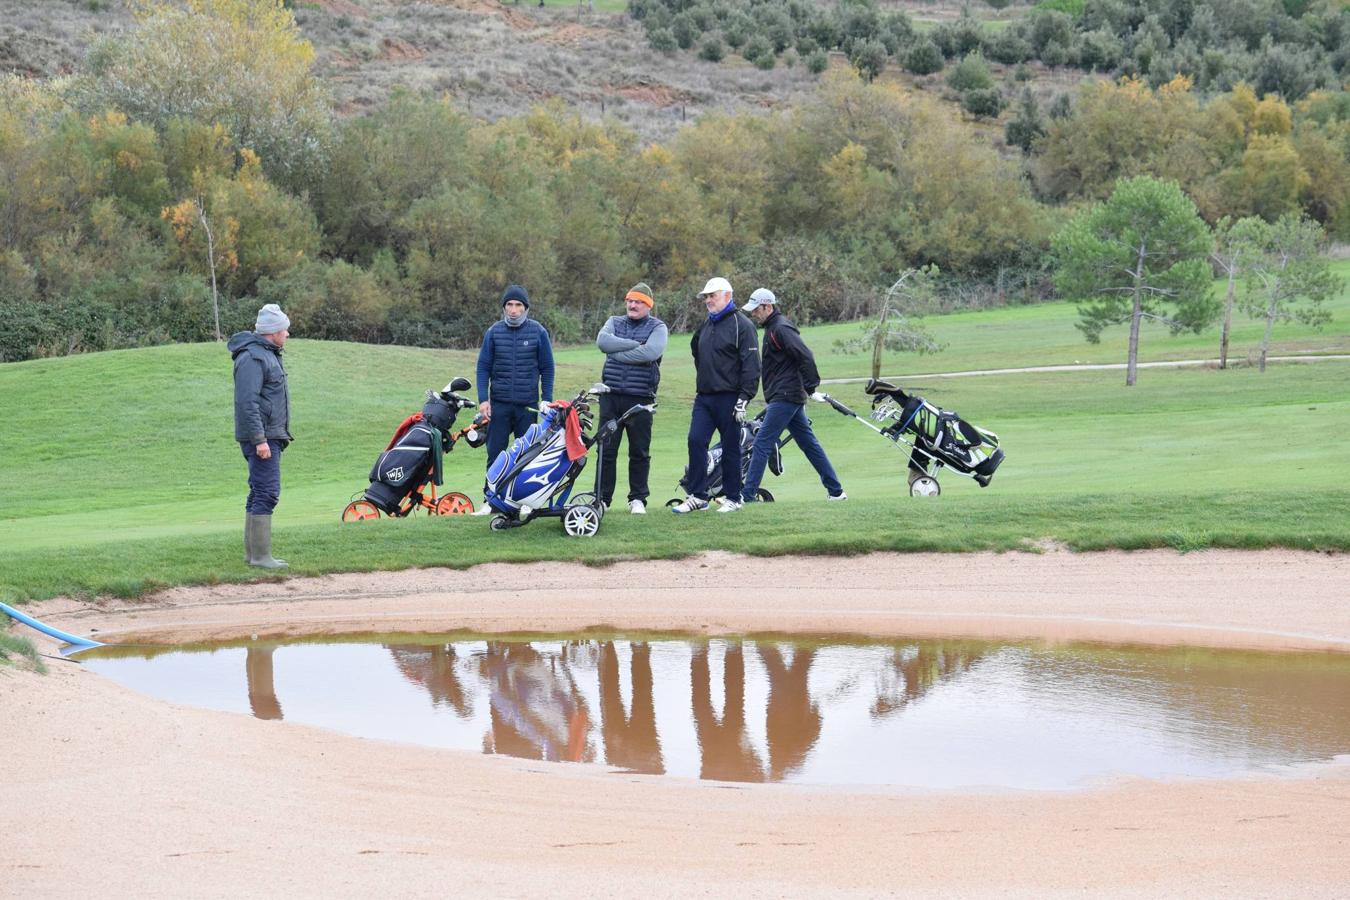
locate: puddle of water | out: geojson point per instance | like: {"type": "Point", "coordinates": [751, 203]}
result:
{"type": "Point", "coordinates": [936, 714]}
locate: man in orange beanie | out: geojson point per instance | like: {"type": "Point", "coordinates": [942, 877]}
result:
{"type": "Point", "coordinates": [633, 345]}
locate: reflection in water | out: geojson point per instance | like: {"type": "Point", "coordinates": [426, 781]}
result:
{"type": "Point", "coordinates": [630, 740]}
{"type": "Point", "coordinates": [727, 753]}
{"type": "Point", "coordinates": [262, 695]}
{"type": "Point", "coordinates": [931, 713]}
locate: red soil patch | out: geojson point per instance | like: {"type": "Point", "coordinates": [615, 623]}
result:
{"type": "Point", "coordinates": [652, 94]}
{"type": "Point", "coordinates": [571, 36]}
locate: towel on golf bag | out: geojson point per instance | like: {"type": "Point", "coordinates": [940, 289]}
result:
{"type": "Point", "coordinates": [576, 446]}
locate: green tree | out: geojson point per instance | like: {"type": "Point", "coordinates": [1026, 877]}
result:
{"type": "Point", "coordinates": [970, 74]}
{"type": "Point", "coordinates": [1288, 277]}
{"type": "Point", "coordinates": [1145, 246]}
{"type": "Point", "coordinates": [1235, 245]}
{"type": "Point", "coordinates": [869, 58]}
{"type": "Point", "coordinates": [924, 57]}
{"type": "Point", "coordinates": [237, 63]}
{"type": "Point", "coordinates": [898, 326]}
{"type": "Point", "coordinates": [1028, 125]}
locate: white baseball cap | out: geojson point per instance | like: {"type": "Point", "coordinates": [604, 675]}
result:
{"type": "Point", "coordinates": [761, 297]}
{"type": "Point", "coordinates": [713, 286]}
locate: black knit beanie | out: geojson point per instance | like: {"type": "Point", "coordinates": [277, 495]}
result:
{"type": "Point", "coordinates": [515, 292]}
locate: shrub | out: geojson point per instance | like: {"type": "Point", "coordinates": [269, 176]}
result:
{"type": "Point", "coordinates": [818, 61]}
{"type": "Point", "coordinates": [983, 102]}
{"type": "Point", "coordinates": [971, 74]}
{"type": "Point", "coordinates": [663, 41]}
{"type": "Point", "coordinates": [1008, 46]}
{"type": "Point", "coordinates": [756, 48]}
{"type": "Point", "coordinates": [711, 49]}
{"type": "Point", "coordinates": [924, 58]}
{"type": "Point", "coordinates": [869, 58]}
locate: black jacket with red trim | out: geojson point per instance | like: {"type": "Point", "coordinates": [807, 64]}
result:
{"type": "Point", "coordinates": [789, 367]}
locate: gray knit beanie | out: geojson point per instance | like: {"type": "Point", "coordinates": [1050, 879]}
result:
{"type": "Point", "coordinates": [271, 320]}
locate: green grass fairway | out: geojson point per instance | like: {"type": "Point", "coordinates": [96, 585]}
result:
{"type": "Point", "coordinates": [119, 472]}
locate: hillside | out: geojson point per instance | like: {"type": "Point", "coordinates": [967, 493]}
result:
{"type": "Point", "coordinates": [495, 59]}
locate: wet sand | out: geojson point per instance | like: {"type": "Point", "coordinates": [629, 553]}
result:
{"type": "Point", "coordinates": [111, 793]}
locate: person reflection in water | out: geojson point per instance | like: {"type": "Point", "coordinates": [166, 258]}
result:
{"type": "Point", "coordinates": [631, 741]}
{"type": "Point", "coordinates": [915, 671]}
{"type": "Point", "coordinates": [726, 751]}
{"type": "Point", "coordinates": [792, 720]}
{"type": "Point", "coordinates": [537, 711]}
{"type": "Point", "coordinates": [434, 669]}
{"type": "Point", "coordinates": [262, 693]}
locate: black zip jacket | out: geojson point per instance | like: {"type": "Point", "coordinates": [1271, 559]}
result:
{"type": "Point", "coordinates": [725, 356]}
{"type": "Point", "coordinates": [789, 366]}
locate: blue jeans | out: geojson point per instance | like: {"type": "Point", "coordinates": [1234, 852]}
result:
{"type": "Point", "coordinates": [264, 478]}
{"type": "Point", "coordinates": [792, 416]}
{"type": "Point", "coordinates": [714, 412]}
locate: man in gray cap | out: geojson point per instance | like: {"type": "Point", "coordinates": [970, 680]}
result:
{"type": "Point", "coordinates": [262, 423]}
{"type": "Point", "coordinates": [790, 377]}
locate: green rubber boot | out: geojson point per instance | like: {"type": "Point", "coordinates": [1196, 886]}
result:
{"type": "Point", "coordinates": [259, 536]}
{"type": "Point", "coordinates": [248, 538]}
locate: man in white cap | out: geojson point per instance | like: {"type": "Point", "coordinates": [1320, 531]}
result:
{"type": "Point", "coordinates": [262, 423]}
{"type": "Point", "coordinates": [726, 364]}
{"type": "Point", "coordinates": [790, 377]}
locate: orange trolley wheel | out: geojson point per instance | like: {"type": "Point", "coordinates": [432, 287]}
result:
{"type": "Point", "coordinates": [454, 504]}
{"type": "Point", "coordinates": [359, 511]}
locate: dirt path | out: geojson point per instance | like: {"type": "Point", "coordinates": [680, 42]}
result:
{"type": "Point", "coordinates": [112, 793]}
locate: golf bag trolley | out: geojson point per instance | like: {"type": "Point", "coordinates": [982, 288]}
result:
{"type": "Point", "coordinates": [749, 431]}
{"type": "Point", "coordinates": [533, 478]}
{"type": "Point", "coordinates": [405, 476]}
{"type": "Point", "coordinates": [936, 437]}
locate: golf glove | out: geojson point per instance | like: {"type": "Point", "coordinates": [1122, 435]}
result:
{"type": "Point", "coordinates": [818, 397]}
{"type": "Point", "coordinates": [740, 410]}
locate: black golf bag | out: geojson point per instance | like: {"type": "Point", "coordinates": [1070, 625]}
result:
{"type": "Point", "coordinates": [749, 431]}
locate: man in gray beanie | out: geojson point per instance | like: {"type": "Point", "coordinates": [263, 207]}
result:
{"type": "Point", "coordinates": [262, 422]}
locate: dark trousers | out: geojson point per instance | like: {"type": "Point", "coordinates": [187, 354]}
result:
{"type": "Point", "coordinates": [639, 430]}
{"type": "Point", "coordinates": [792, 416]}
{"type": "Point", "coordinates": [264, 478]}
{"type": "Point", "coordinates": [509, 420]}
{"type": "Point", "coordinates": [715, 412]}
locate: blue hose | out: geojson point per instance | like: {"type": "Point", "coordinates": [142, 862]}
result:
{"type": "Point", "coordinates": [47, 629]}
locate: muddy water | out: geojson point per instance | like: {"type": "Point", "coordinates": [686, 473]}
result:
{"type": "Point", "coordinates": [936, 714]}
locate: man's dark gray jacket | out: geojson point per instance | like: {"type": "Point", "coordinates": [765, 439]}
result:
{"type": "Point", "coordinates": [262, 399]}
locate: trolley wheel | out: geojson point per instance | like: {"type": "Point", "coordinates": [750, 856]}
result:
{"type": "Point", "coordinates": [926, 486]}
{"type": "Point", "coordinates": [585, 498]}
{"type": "Point", "coordinates": [359, 511]}
{"type": "Point", "coordinates": [499, 523]}
{"type": "Point", "coordinates": [763, 495]}
{"type": "Point", "coordinates": [453, 504]}
{"type": "Point", "coordinates": [582, 520]}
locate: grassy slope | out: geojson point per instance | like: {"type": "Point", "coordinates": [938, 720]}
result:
{"type": "Point", "coordinates": [118, 469]}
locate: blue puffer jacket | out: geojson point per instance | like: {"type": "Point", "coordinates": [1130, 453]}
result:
{"type": "Point", "coordinates": [515, 364]}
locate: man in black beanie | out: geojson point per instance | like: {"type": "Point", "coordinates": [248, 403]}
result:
{"type": "Point", "coordinates": [515, 367]}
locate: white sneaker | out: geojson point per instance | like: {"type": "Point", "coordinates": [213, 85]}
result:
{"type": "Point", "coordinates": [839, 496]}
{"type": "Point", "coordinates": [483, 510]}
{"type": "Point", "coordinates": [726, 504]}
{"type": "Point", "coordinates": [688, 505]}
{"type": "Point", "coordinates": [637, 507]}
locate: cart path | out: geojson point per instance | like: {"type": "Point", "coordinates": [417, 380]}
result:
{"type": "Point", "coordinates": [1083, 367]}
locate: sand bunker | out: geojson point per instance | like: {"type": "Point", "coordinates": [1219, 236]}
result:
{"type": "Point", "coordinates": [115, 793]}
